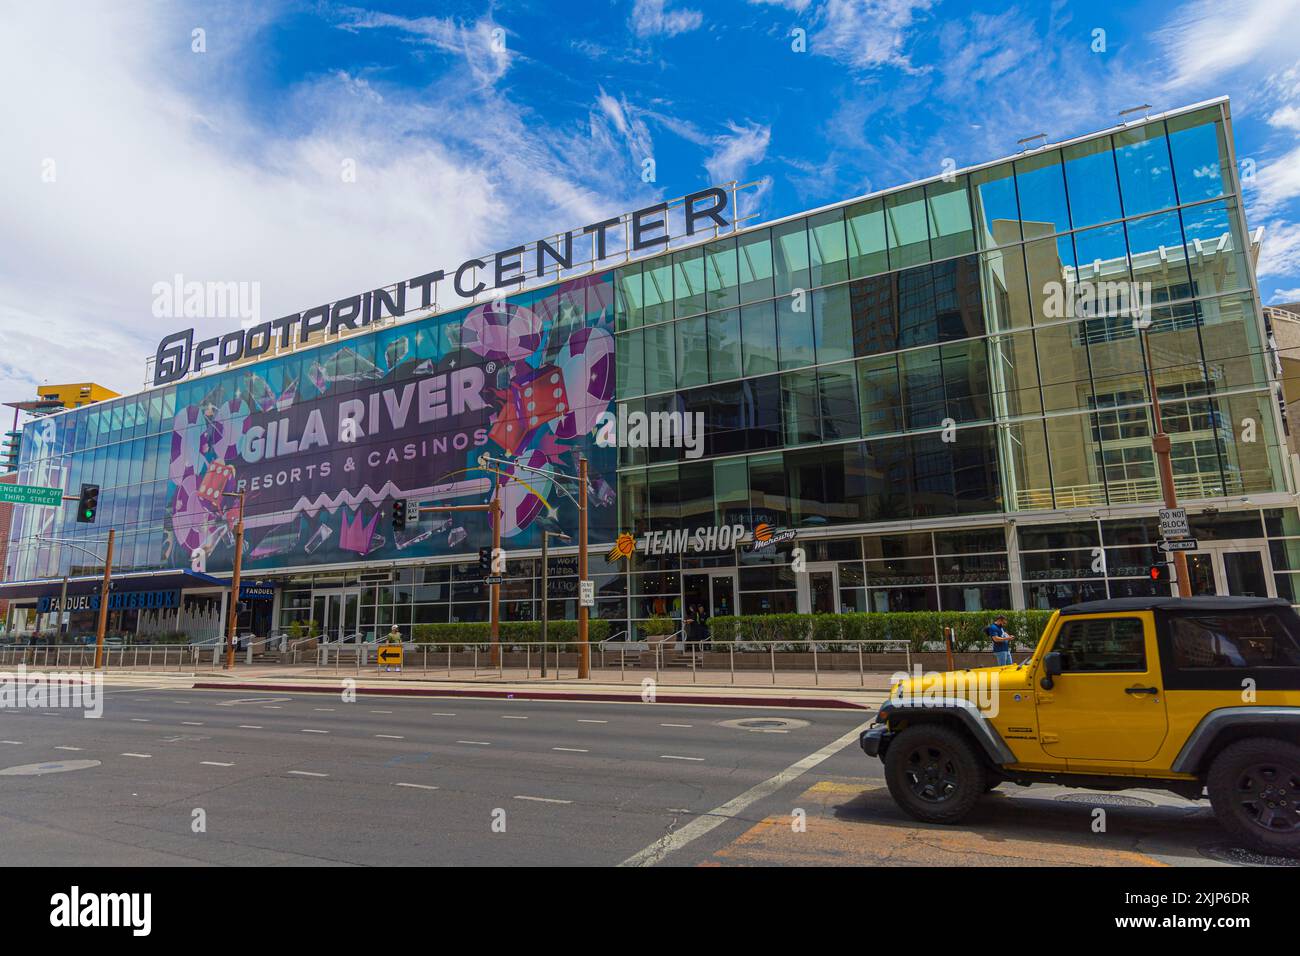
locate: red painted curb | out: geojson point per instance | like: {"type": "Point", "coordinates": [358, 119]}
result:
{"type": "Point", "coordinates": [812, 702]}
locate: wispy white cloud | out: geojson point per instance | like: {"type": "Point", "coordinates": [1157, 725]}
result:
{"type": "Point", "coordinates": [867, 34]}
{"type": "Point", "coordinates": [1207, 39]}
{"type": "Point", "coordinates": [483, 45]}
{"type": "Point", "coordinates": [1280, 253]}
{"type": "Point", "coordinates": [653, 18]}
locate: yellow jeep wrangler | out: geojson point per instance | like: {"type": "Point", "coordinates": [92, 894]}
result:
{"type": "Point", "coordinates": [1191, 695]}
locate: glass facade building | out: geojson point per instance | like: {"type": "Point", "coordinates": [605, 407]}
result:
{"type": "Point", "coordinates": [944, 390]}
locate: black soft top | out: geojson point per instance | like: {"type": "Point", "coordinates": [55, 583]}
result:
{"type": "Point", "coordinates": [1193, 604]}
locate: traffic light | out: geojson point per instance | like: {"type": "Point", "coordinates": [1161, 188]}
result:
{"type": "Point", "coordinates": [485, 561]}
{"type": "Point", "coordinates": [399, 514]}
{"type": "Point", "coordinates": [1158, 572]}
{"type": "Point", "coordinates": [88, 503]}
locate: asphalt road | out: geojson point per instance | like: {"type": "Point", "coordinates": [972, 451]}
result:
{"type": "Point", "coordinates": [285, 779]}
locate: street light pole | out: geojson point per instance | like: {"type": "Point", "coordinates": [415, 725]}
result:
{"type": "Point", "coordinates": [584, 649]}
{"type": "Point", "coordinates": [232, 617]}
{"type": "Point", "coordinates": [103, 602]}
{"type": "Point", "coordinates": [1162, 445]}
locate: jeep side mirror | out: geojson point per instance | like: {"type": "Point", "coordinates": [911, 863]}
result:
{"type": "Point", "coordinates": [1051, 668]}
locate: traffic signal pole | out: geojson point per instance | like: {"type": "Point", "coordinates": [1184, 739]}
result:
{"type": "Point", "coordinates": [103, 602]}
{"type": "Point", "coordinates": [233, 617]}
{"type": "Point", "coordinates": [584, 648]}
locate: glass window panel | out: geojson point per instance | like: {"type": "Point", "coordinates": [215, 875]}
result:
{"type": "Point", "coordinates": [657, 291]}
{"type": "Point", "coordinates": [758, 338]}
{"type": "Point", "coordinates": [799, 408]}
{"type": "Point", "coordinates": [692, 352]}
{"type": "Point", "coordinates": [874, 303]}
{"type": "Point", "coordinates": [1090, 178]}
{"type": "Point", "coordinates": [767, 489]}
{"type": "Point", "coordinates": [630, 364]}
{"type": "Point", "coordinates": [1013, 375]}
{"type": "Point", "coordinates": [1049, 267]}
{"type": "Point", "coordinates": [1076, 472]}
{"type": "Point", "coordinates": [1063, 371]}
{"type": "Point", "coordinates": [997, 214]}
{"type": "Point", "coordinates": [951, 232]}
{"type": "Point", "coordinates": [1202, 169]}
{"type": "Point", "coordinates": [790, 249]}
{"type": "Point", "coordinates": [722, 274]}
{"type": "Point", "coordinates": [828, 248]}
{"type": "Point", "coordinates": [688, 281]}
{"type": "Point", "coordinates": [627, 296]}
{"type": "Point", "coordinates": [1040, 184]}
{"type": "Point", "coordinates": [965, 372]}
{"type": "Point", "coordinates": [908, 232]}
{"type": "Point", "coordinates": [866, 238]}
{"type": "Point", "coordinates": [754, 257]}
{"type": "Point", "coordinates": [731, 492]}
{"type": "Point", "coordinates": [1156, 251]}
{"type": "Point", "coordinates": [1101, 255]}
{"type": "Point", "coordinates": [1006, 297]}
{"type": "Point", "coordinates": [794, 331]}
{"type": "Point", "coordinates": [838, 393]}
{"type": "Point", "coordinates": [724, 345]}
{"type": "Point", "coordinates": [1146, 177]}
{"type": "Point", "coordinates": [879, 392]}
{"type": "Point", "coordinates": [922, 393]}
{"type": "Point", "coordinates": [832, 324]}
{"type": "Point", "coordinates": [660, 361]}
{"type": "Point", "coordinates": [1214, 248]}
{"type": "Point", "coordinates": [1230, 341]}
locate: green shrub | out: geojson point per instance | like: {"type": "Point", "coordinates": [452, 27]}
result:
{"type": "Point", "coordinates": [922, 630]}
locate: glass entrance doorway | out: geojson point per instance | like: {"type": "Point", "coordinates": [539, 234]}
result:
{"type": "Point", "coordinates": [715, 590]}
{"type": "Point", "coordinates": [335, 613]}
{"type": "Point", "coordinates": [1230, 568]}
{"type": "Point", "coordinates": [819, 590]}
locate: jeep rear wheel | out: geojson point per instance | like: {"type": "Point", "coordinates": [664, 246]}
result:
{"type": "Point", "coordinates": [934, 773]}
{"type": "Point", "coordinates": [1254, 787]}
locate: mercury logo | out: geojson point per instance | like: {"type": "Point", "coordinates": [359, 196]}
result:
{"type": "Point", "coordinates": [75, 909]}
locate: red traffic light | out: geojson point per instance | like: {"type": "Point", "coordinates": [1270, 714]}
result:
{"type": "Point", "coordinates": [1159, 572]}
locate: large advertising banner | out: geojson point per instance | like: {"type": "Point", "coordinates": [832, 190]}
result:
{"type": "Point", "coordinates": [321, 443]}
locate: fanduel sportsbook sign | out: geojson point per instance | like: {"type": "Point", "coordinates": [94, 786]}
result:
{"type": "Point", "coordinates": [179, 355]}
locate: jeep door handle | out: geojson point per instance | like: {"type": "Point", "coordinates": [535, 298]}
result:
{"type": "Point", "coordinates": [1141, 690]}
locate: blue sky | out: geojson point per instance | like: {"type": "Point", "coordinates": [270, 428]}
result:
{"type": "Point", "coordinates": [472, 126]}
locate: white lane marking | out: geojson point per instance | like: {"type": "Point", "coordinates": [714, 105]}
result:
{"type": "Point", "coordinates": [572, 750]}
{"type": "Point", "coordinates": [142, 756]}
{"type": "Point", "coordinates": [416, 786]}
{"type": "Point", "coordinates": [329, 710]}
{"type": "Point", "coordinates": [215, 763]}
{"type": "Point", "coordinates": [436, 714]}
{"type": "Point", "coordinates": [678, 810]}
{"type": "Point", "coordinates": [272, 707]}
{"type": "Point", "coordinates": [391, 736]}
{"type": "Point", "coordinates": [675, 757]}
{"type": "Point", "coordinates": [192, 723]}
{"type": "Point", "coordinates": [307, 773]}
{"type": "Point", "coordinates": [583, 721]}
{"type": "Point", "coordinates": [307, 730]}
{"type": "Point", "coordinates": [250, 726]}
{"type": "Point", "coordinates": [381, 711]}
{"type": "Point", "coordinates": [18, 743]}
{"type": "Point", "coordinates": [180, 702]}
{"type": "Point", "coordinates": [703, 824]}
{"type": "Point", "coordinates": [520, 796]}
{"type": "Point", "coordinates": [676, 725]}
{"type": "Point", "coordinates": [512, 717]}
{"type": "Point", "coordinates": [477, 743]}
{"type": "Point", "coordinates": [67, 748]}
{"type": "Point", "coordinates": [140, 720]}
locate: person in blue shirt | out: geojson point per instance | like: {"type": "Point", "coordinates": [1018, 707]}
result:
{"type": "Point", "coordinates": [1002, 639]}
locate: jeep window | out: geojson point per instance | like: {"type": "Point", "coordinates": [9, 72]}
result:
{"type": "Point", "coordinates": [1103, 644]}
{"type": "Point", "coordinates": [1233, 640]}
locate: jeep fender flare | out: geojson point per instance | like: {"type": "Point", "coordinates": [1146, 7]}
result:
{"type": "Point", "coordinates": [965, 712]}
{"type": "Point", "coordinates": [1202, 739]}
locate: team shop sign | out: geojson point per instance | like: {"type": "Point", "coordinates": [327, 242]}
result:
{"type": "Point", "coordinates": [179, 355]}
{"type": "Point", "coordinates": [702, 540]}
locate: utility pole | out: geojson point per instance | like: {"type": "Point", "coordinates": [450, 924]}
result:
{"type": "Point", "coordinates": [233, 617]}
{"type": "Point", "coordinates": [546, 611]}
{"type": "Point", "coordinates": [584, 649]}
{"type": "Point", "coordinates": [103, 602]}
{"type": "Point", "coordinates": [495, 587]}
{"type": "Point", "coordinates": [1162, 445]}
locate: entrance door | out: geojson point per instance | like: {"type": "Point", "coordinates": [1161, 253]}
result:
{"type": "Point", "coordinates": [1240, 568]}
{"type": "Point", "coordinates": [715, 590]}
{"type": "Point", "coordinates": [336, 612]}
{"type": "Point", "coordinates": [819, 590]}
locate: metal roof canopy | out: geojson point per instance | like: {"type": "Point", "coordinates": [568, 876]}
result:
{"type": "Point", "coordinates": [126, 583]}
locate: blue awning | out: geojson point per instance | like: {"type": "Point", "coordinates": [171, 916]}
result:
{"type": "Point", "coordinates": [173, 578]}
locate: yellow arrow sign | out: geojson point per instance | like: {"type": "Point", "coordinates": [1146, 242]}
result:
{"type": "Point", "coordinates": [389, 655]}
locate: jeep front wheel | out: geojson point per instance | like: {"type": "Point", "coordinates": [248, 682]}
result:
{"type": "Point", "coordinates": [934, 773]}
{"type": "Point", "coordinates": [1255, 790]}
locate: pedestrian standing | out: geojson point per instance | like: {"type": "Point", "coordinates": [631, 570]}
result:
{"type": "Point", "coordinates": [1001, 638]}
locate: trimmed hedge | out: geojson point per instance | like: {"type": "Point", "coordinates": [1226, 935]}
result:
{"type": "Point", "coordinates": [923, 630]}
{"type": "Point", "coordinates": [512, 632]}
